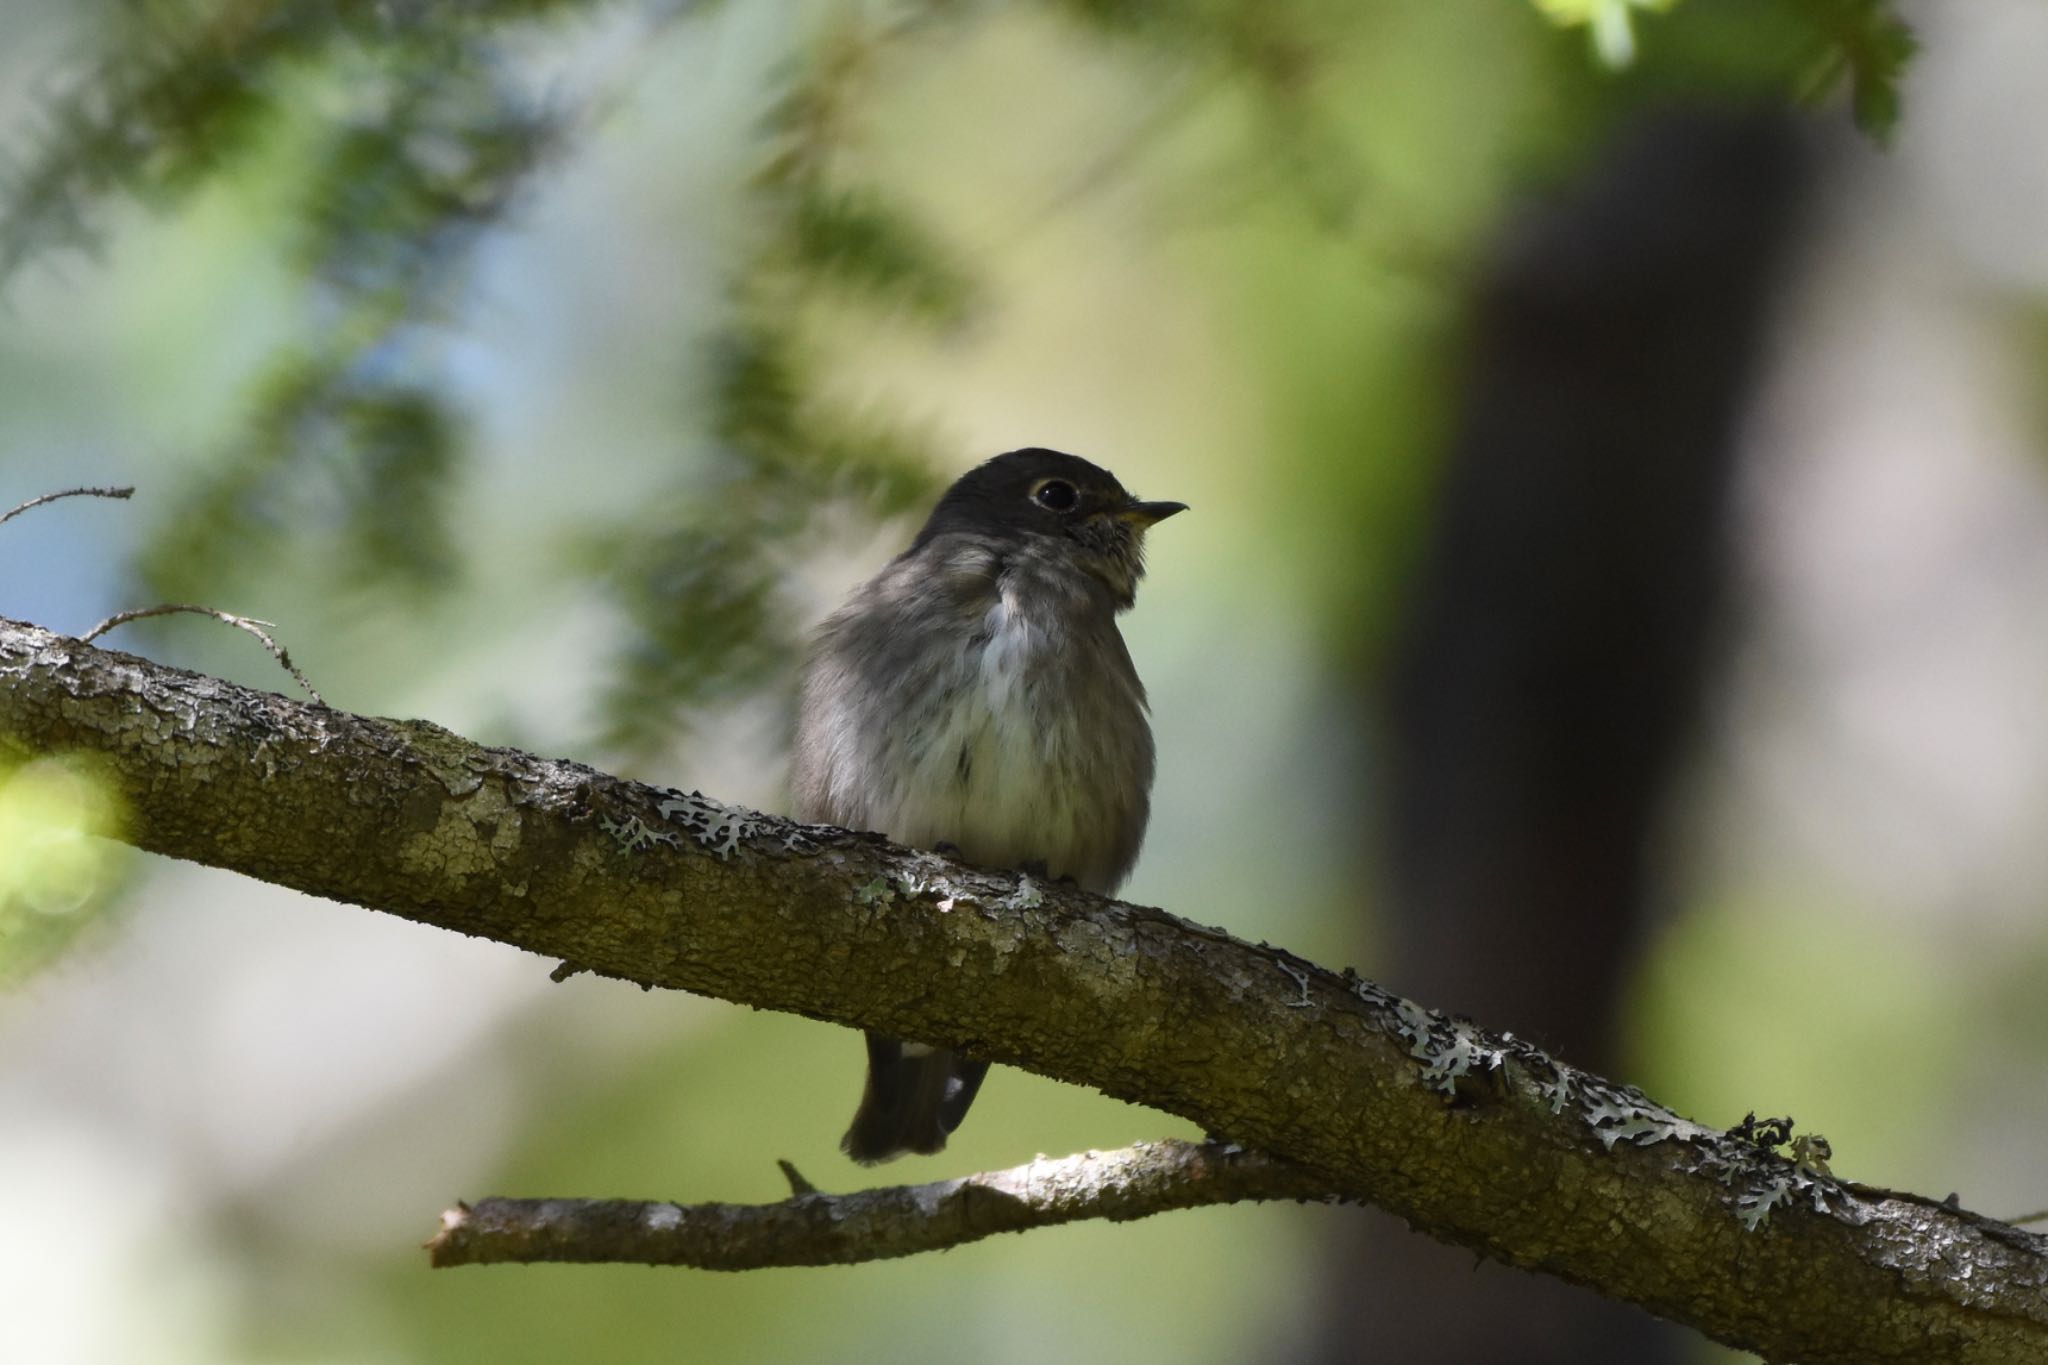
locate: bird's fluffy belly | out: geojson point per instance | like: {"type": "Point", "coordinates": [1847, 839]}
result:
{"type": "Point", "coordinates": [991, 763]}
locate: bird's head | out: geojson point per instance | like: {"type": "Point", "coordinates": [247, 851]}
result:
{"type": "Point", "coordinates": [1057, 505]}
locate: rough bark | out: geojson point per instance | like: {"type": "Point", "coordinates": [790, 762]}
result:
{"type": "Point", "coordinates": [1477, 1138]}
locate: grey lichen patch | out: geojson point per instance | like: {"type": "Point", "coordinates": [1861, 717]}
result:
{"type": "Point", "coordinates": [722, 828]}
{"type": "Point", "coordinates": [1300, 979]}
{"type": "Point", "coordinates": [635, 835]}
{"type": "Point", "coordinates": [1753, 1209]}
{"type": "Point", "coordinates": [1378, 998]}
{"type": "Point", "coordinates": [931, 876]}
{"type": "Point", "coordinates": [1622, 1114]}
{"type": "Point", "coordinates": [1614, 1112]}
{"type": "Point", "coordinates": [1759, 1179]}
{"type": "Point", "coordinates": [1745, 1160]}
{"type": "Point", "coordinates": [1811, 1152]}
{"type": "Point", "coordinates": [1448, 1048]}
{"type": "Point", "coordinates": [713, 825]}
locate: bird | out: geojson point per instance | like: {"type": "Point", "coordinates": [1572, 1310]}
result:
{"type": "Point", "coordinates": [976, 698]}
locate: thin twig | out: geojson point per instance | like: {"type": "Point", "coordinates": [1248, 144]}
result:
{"type": "Point", "coordinates": [810, 1228]}
{"type": "Point", "coordinates": [2041, 1217]}
{"type": "Point", "coordinates": [69, 493]}
{"type": "Point", "coordinates": [260, 629]}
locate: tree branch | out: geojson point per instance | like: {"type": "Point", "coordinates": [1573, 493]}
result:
{"type": "Point", "coordinates": [47, 498]}
{"type": "Point", "coordinates": [811, 1228]}
{"type": "Point", "coordinates": [1477, 1138]}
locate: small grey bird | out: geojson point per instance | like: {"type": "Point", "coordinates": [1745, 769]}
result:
{"type": "Point", "coordinates": [976, 697]}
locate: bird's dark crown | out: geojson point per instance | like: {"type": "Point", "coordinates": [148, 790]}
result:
{"type": "Point", "coordinates": [995, 497]}
{"type": "Point", "coordinates": [1061, 502]}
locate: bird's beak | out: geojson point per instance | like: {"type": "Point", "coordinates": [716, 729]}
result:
{"type": "Point", "coordinates": [1143, 514]}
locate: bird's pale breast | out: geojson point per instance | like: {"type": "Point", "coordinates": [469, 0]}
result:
{"type": "Point", "coordinates": [1001, 716]}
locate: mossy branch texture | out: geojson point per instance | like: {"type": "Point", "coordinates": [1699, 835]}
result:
{"type": "Point", "coordinates": [1476, 1138]}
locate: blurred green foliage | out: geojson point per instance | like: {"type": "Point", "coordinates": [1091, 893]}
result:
{"type": "Point", "coordinates": [1863, 42]}
{"type": "Point", "coordinates": [1611, 24]}
{"type": "Point", "coordinates": [397, 137]}
{"type": "Point", "coordinates": [1860, 41]}
{"type": "Point", "coordinates": [59, 862]}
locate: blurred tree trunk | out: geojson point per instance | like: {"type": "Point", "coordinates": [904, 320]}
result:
{"type": "Point", "coordinates": [1557, 656]}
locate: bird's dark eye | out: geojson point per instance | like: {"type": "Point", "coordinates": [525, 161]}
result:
{"type": "Point", "coordinates": [1055, 495]}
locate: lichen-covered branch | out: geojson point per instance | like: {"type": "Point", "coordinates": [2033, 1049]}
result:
{"type": "Point", "coordinates": [812, 1228]}
{"type": "Point", "coordinates": [1476, 1138]}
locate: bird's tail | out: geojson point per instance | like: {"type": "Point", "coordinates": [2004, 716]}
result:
{"type": "Point", "coordinates": [915, 1096]}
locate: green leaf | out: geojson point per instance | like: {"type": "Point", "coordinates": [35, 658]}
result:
{"type": "Point", "coordinates": [1865, 42]}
